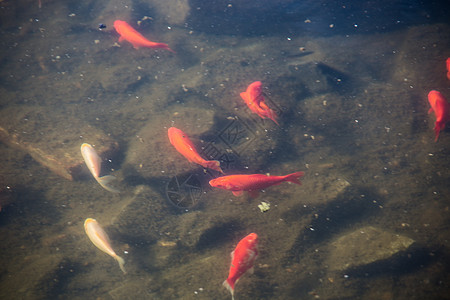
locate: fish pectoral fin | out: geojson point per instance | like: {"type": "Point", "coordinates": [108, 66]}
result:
{"type": "Point", "coordinates": [105, 182]}
{"type": "Point", "coordinates": [237, 193]}
{"type": "Point", "coordinates": [121, 39]}
{"type": "Point", "coordinates": [430, 110]}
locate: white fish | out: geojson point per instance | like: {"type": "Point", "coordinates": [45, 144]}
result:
{"type": "Point", "coordinates": [101, 240]}
{"type": "Point", "coordinates": [94, 164]}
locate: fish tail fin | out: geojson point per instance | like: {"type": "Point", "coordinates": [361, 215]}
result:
{"type": "Point", "coordinates": [436, 132]}
{"type": "Point", "coordinates": [268, 113]}
{"type": "Point", "coordinates": [273, 116]}
{"type": "Point", "coordinates": [121, 263]}
{"type": "Point", "coordinates": [213, 165]}
{"type": "Point", "coordinates": [438, 126]}
{"type": "Point", "coordinates": [294, 177]}
{"type": "Point", "coordinates": [105, 182]}
{"type": "Point", "coordinates": [230, 287]}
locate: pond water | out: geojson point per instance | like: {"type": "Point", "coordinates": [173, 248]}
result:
{"type": "Point", "coordinates": [349, 83]}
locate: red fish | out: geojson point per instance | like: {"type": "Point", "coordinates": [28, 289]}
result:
{"type": "Point", "coordinates": [441, 109]}
{"type": "Point", "coordinates": [129, 34]}
{"type": "Point", "coordinates": [183, 144]}
{"type": "Point", "coordinates": [448, 68]}
{"type": "Point", "coordinates": [255, 101]}
{"type": "Point", "coordinates": [252, 183]}
{"type": "Point", "coordinates": [242, 259]}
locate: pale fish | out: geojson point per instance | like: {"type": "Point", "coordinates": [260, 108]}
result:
{"type": "Point", "coordinates": [94, 164]}
{"type": "Point", "coordinates": [101, 240]}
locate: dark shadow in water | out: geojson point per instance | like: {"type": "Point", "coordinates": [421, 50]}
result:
{"type": "Point", "coordinates": [347, 209]}
{"type": "Point", "coordinates": [57, 282]}
{"type": "Point", "coordinates": [414, 259]}
{"type": "Point", "coordinates": [219, 234]}
{"type": "Point", "coordinates": [28, 203]}
{"type": "Point", "coordinates": [314, 17]}
{"type": "Point", "coordinates": [143, 258]}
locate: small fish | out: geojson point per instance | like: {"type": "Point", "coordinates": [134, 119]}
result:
{"type": "Point", "coordinates": [448, 67]}
{"type": "Point", "coordinates": [255, 101]}
{"type": "Point", "coordinates": [101, 240]}
{"type": "Point", "coordinates": [441, 109]}
{"type": "Point", "coordinates": [242, 260]}
{"type": "Point", "coordinates": [94, 164]}
{"type": "Point", "coordinates": [129, 34]}
{"type": "Point", "coordinates": [183, 144]}
{"type": "Point", "coordinates": [252, 183]}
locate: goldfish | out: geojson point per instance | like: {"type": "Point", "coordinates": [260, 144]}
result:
{"type": "Point", "coordinates": [255, 101]}
{"type": "Point", "coordinates": [94, 164]}
{"type": "Point", "coordinates": [101, 240]}
{"type": "Point", "coordinates": [130, 35]}
{"type": "Point", "coordinates": [441, 109]}
{"type": "Point", "coordinates": [448, 68]}
{"type": "Point", "coordinates": [252, 183]}
{"type": "Point", "coordinates": [242, 260]}
{"type": "Point", "coordinates": [183, 144]}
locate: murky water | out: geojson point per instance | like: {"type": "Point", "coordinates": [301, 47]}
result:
{"type": "Point", "coordinates": [349, 82]}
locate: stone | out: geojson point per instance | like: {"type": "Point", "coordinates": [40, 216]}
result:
{"type": "Point", "coordinates": [137, 288]}
{"type": "Point", "coordinates": [172, 11]}
{"type": "Point", "coordinates": [119, 79]}
{"type": "Point", "coordinates": [142, 216]}
{"type": "Point", "coordinates": [30, 283]}
{"type": "Point", "coordinates": [53, 140]}
{"type": "Point", "coordinates": [364, 246]}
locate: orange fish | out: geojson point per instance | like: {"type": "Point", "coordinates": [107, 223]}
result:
{"type": "Point", "coordinates": [255, 101]}
{"type": "Point", "coordinates": [183, 144]}
{"type": "Point", "coordinates": [129, 34]}
{"type": "Point", "coordinates": [252, 183]}
{"type": "Point", "coordinates": [242, 260]}
{"type": "Point", "coordinates": [441, 109]}
{"type": "Point", "coordinates": [448, 68]}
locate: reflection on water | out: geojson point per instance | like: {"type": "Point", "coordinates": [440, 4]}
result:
{"type": "Point", "coordinates": [349, 82]}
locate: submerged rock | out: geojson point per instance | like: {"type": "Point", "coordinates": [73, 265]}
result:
{"type": "Point", "coordinates": [142, 217]}
{"type": "Point", "coordinates": [364, 246]}
{"type": "Point", "coordinates": [53, 140]}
